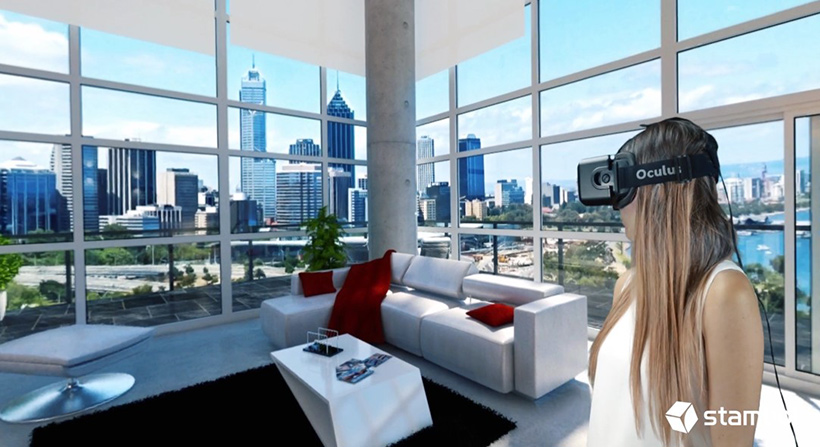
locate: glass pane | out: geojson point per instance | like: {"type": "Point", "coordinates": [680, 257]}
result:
{"type": "Point", "coordinates": [560, 208]}
{"type": "Point", "coordinates": [433, 94]}
{"type": "Point", "coordinates": [587, 268]}
{"type": "Point", "coordinates": [697, 17]}
{"type": "Point", "coordinates": [807, 293]}
{"type": "Point", "coordinates": [492, 190]}
{"type": "Point", "coordinates": [433, 139]}
{"type": "Point", "coordinates": [283, 82]}
{"type": "Point", "coordinates": [119, 115]}
{"type": "Point", "coordinates": [41, 295]}
{"type": "Point", "coordinates": [32, 105]}
{"type": "Point", "coordinates": [499, 255]}
{"type": "Point", "coordinates": [347, 192]}
{"type": "Point", "coordinates": [497, 71]}
{"type": "Point", "coordinates": [751, 159]}
{"type": "Point", "coordinates": [771, 62]}
{"type": "Point", "coordinates": [346, 95]}
{"type": "Point", "coordinates": [143, 193]}
{"type": "Point", "coordinates": [33, 43]}
{"type": "Point", "coordinates": [269, 195]}
{"type": "Point", "coordinates": [251, 130]}
{"type": "Point", "coordinates": [35, 192]}
{"type": "Point", "coordinates": [360, 142]}
{"type": "Point", "coordinates": [433, 195]}
{"type": "Point", "coordinates": [628, 94]}
{"type": "Point", "coordinates": [262, 269]}
{"type": "Point", "coordinates": [436, 245]}
{"type": "Point", "coordinates": [499, 124]}
{"type": "Point", "coordinates": [578, 35]}
{"type": "Point", "coordinates": [153, 284]}
{"type": "Point", "coordinates": [122, 59]}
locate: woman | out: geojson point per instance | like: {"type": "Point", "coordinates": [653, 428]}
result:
{"type": "Point", "coordinates": [684, 324]}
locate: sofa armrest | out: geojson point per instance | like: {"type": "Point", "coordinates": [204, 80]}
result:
{"type": "Point", "coordinates": [550, 343]}
{"type": "Point", "coordinates": [339, 276]}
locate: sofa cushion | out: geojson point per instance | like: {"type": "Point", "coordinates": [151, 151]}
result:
{"type": "Point", "coordinates": [494, 315]}
{"type": "Point", "coordinates": [339, 276]}
{"type": "Point", "coordinates": [286, 320]}
{"type": "Point", "coordinates": [398, 264]}
{"type": "Point", "coordinates": [402, 313]}
{"type": "Point", "coordinates": [485, 354]}
{"type": "Point", "coordinates": [515, 291]}
{"type": "Point", "coordinates": [317, 283]}
{"type": "Point", "coordinates": [439, 276]}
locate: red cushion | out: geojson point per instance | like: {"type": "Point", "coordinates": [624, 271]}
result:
{"type": "Point", "coordinates": [357, 310]}
{"type": "Point", "coordinates": [317, 283]}
{"type": "Point", "coordinates": [494, 314]}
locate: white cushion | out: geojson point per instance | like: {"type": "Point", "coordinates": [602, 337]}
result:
{"type": "Point", "coordinates": [287, 319]}
{"type": "Point", "coordinates": [71, 350]}
{"type": "Point", "coordinates": [515, 291]}
{"type": "Point", "coordinates": [439, 276]}
{"type": "Point", "coordinates": [466, 346]}
{"type": "Point", "coordinates": [402, 313]}
{"type": "Point", "coordinates": [398, 264]}
{"type": "Point", "coordinates": [339, 276]}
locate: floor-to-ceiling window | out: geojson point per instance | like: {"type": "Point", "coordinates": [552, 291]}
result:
{"type": "Point", "coordinates": [145, 184]}
{"type": "Point", "coordinates": [512, 124]}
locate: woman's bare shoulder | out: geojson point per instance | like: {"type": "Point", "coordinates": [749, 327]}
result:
{"type": "Point", "coordinates": [730, 296]}
{"type": "Point", "coordinates": [619, 285]}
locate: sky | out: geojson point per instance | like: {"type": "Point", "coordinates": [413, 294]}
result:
{"type": "Point", "coordinates": [770, 62]}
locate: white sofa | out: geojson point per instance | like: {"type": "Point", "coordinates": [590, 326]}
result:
{"type": "Point", "coordinates": [425, 314]}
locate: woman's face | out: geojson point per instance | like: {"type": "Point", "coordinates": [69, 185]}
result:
{"type": "Point", "coordinates": [628, 218]}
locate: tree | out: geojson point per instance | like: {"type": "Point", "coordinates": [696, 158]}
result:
{"type": "Point", "coordinates": [115, 231]}
{"type": "Point", "coordinates": [291, 262]}
{"type": "Point", "coordinates": [9, 265]}
{"type": "Point", "coordinates": [142, 290]}
{"type": "Point", "coordinates": [53, 290]}
{"type": "Point", "coordinates": [259, 274]}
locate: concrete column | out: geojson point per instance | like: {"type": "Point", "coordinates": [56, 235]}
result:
{"type": "Point", "coordinates": [391, 125]}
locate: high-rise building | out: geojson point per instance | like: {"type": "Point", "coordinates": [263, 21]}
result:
{"type": "Point", "coordinates": [136, 220]}
{"type": "Point", "coordinates": [440, 192]}
{"type": "Point", "coordinates": [528, 192]}
{"type": "Point", "coordinates": [752, 188]}
{"type": "Point", "coordinates": [339, 182]}
{"type": "Point", "coordinates": [257, 175]}
{"type": "Point", "coordinates": [470, 170]}
{"type": "Point", "coordinates": [476, 208]}
{"type": "Point", "coordinates": [244, 214]}
{"type": "Point", "coordinates": [361, 182]}
{"type": "Point", "coordinates": [102, 191]}
{"type": "Point", "coordinates": [179, 187]}
{"type": "Point", "coordinates": [132, 179]}
{"type": "Point", "coordinates": [553, 196]}
{"type": "Point", "coordinates": [428, 209]}
{"type": "Point", "coordinates": [507, 192]}
{"type": "Point", "coordinates": [801, 181]}
{"type": "Point", "coordinates": [357, 205]}
{"type": "Point", "coordinates": [341, 141]}
{"type": "Point", "coordinates": [300, 193]}
{"type": "Point", "coordinates": [206, 218]}
{"type": "Point", "coordinates": [28, 197]}
{"type": "Point", "coordinates": [60, 164]}
{"type": "Point", "coordinates": [426, 173]}
{"type": "Point", "coordinates": [306, 147]}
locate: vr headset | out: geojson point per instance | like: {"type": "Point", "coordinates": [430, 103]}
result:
{"type": "Point", "coordinates": [614, 179]}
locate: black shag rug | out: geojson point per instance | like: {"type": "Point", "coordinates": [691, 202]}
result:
{"type": "Point", "coordinates": [251, 407]}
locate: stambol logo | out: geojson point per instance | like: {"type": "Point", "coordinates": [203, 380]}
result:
{"type": "Point", "coordinates": [682, 417]}
{"type": "Point", "coordinates": [663, 171]}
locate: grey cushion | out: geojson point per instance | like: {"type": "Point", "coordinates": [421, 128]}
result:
{"type": "Point", "coordinates": [515, 291]}
{"type": "Point", "coordinates": [466, 346]}
{"type": "Point", "coordinates": [439, 276]}
{"type": "Point", "coordinates": [398, 264]}
{"type": "Point", "coordinates": [287, 319]}
{"type": "Point", "coordinates": [72, 350]}
{"type": "Point", "coordinates": [402, 313]}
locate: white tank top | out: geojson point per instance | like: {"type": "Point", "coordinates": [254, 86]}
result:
{"type": "Point", "coordinates": [611, 418]}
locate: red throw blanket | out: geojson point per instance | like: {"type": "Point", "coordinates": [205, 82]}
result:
{"type": "Point", "coordinates": [358, 307]}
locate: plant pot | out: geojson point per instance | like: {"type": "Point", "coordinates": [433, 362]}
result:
{"type": "Point", "coordinates": [3, 300]}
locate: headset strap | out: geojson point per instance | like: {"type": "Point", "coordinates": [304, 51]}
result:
{"type": "Point", "coordinates": [681, 169]}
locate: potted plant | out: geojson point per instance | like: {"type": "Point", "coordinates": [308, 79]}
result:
{"type": "Point", "coordinates": [324, 249]}
{"type": "Point", "coordinates": [9, 266]}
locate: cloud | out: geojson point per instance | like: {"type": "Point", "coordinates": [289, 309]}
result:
{"type": "Point", "coordinates": [600, 110]}
{"type": "Point", "coordinates": [154, 132]}
{"type": "Point", "coordinates": [29, 45]}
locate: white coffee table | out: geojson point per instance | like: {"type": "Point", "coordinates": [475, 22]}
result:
{"type": "Point", "coordinates": [383, 408]}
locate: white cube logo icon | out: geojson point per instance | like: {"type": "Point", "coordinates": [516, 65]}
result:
{"type": "Point", "coordinates": [682, 416]}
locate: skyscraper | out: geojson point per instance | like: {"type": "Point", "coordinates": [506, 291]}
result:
{"type": "Point", "coordinates": [507, 192]}
{"type": "Point", "coordinates": [102, 191]}
{"type": "Point", "coordinates": [339, 182]}
{"type": "Point", "coordinates": [28, 197]}
{"type": "Point", "coordinates": [426, 174]}
{"type": "Point", "coordinates": [179, 187]}
{"type": "Point", "coordinates": [440, 192]}
{"type": "Point", "coordinates": [357, 205]}
{"type": "Point", "coordinates": [257, 175]}
{"type": "Point", "coordinates": [132, 179]}
{"type": "Point", "coordinates": [300, 193]}
{"type": "Point", "coordinates": [60, 164]}
{"type": "Point", "coordinates": [306, 147]}
{"type": "Point", "coordinates": [341, 141]}
{"type": "Point", "coordinates": [470, 170]}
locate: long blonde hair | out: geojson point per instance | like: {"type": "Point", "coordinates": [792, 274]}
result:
{"type": "Point", "coordinates": [681, 233]}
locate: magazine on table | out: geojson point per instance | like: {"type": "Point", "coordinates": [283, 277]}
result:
{"type": "Point", "coordinates": [354, 370]}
